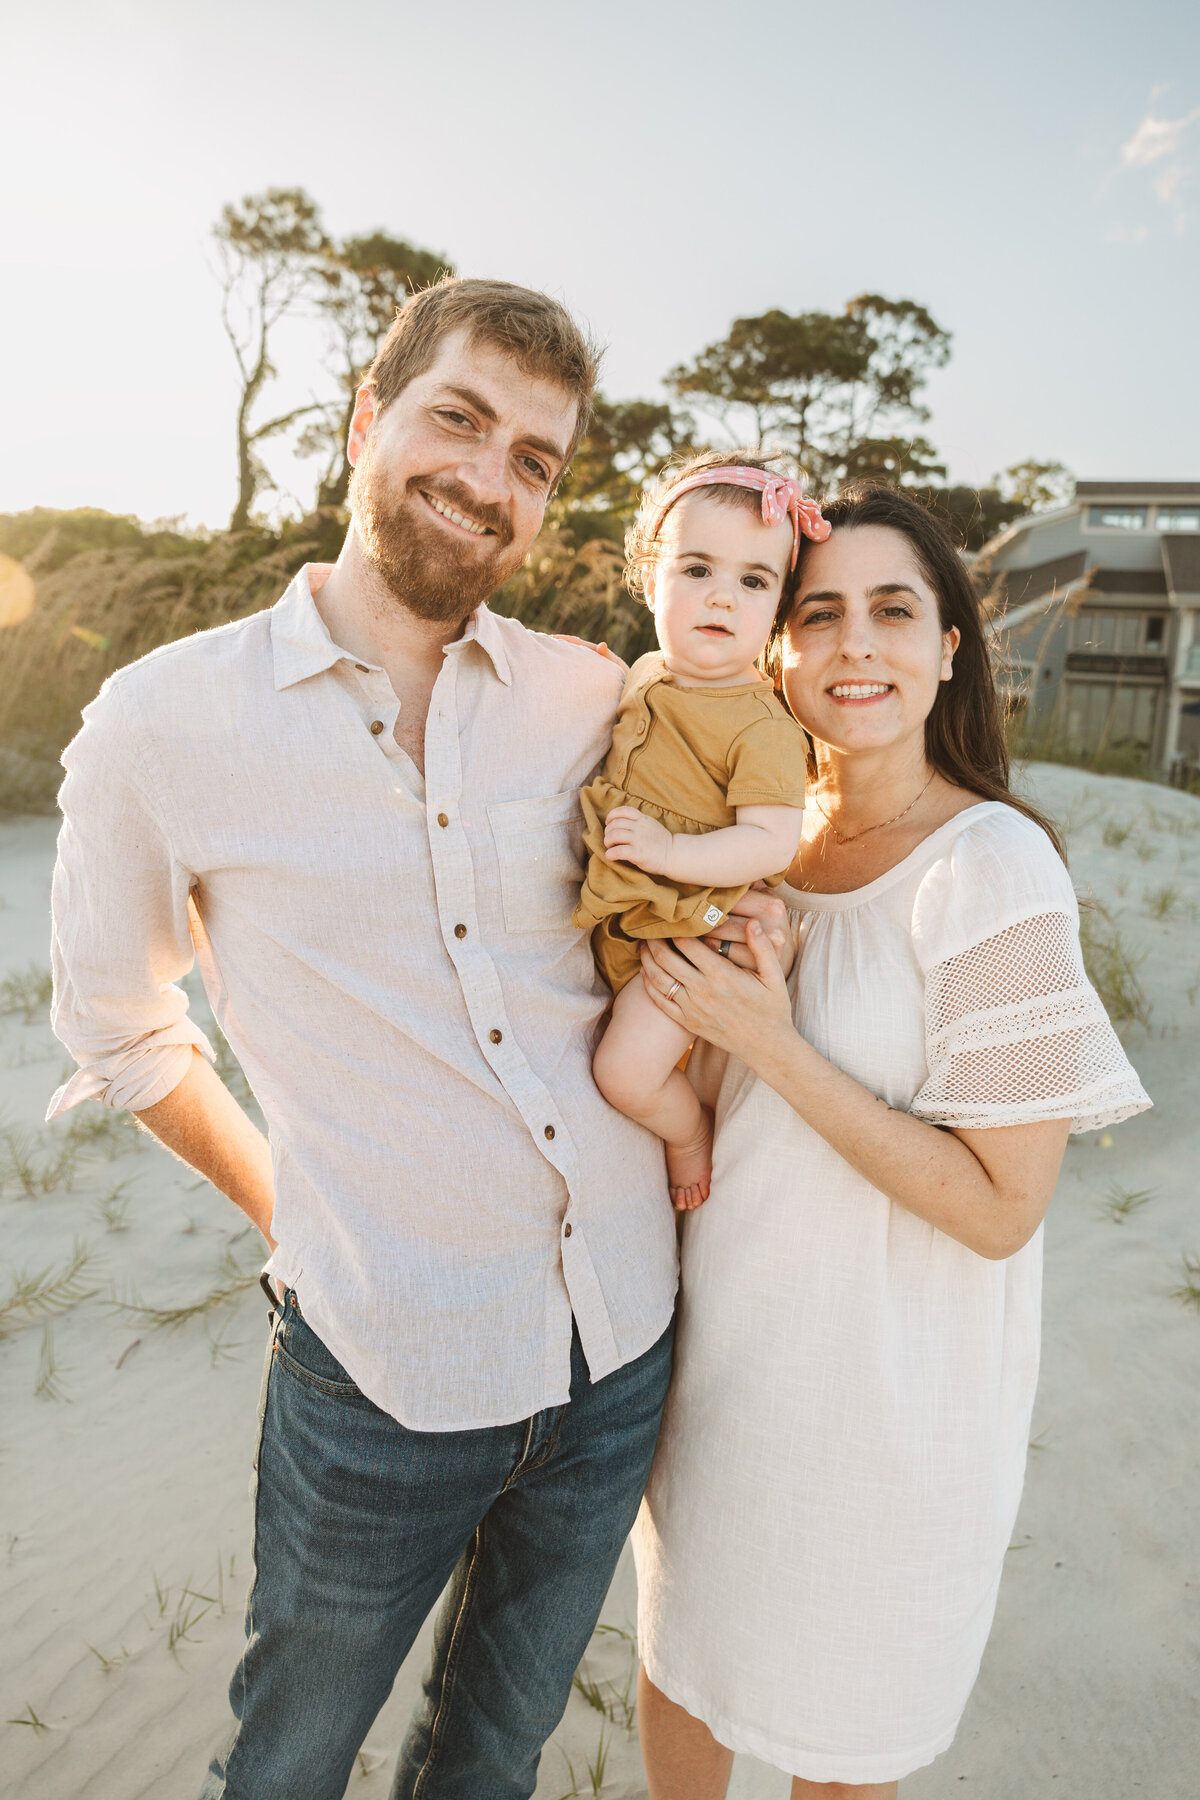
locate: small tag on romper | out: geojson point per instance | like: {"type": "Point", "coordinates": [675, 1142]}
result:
{"type": "Point", "coordinates": [713, 916]}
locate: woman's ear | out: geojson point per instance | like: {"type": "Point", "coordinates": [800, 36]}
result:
{"type": "Point", "coordinates": [950, 641]}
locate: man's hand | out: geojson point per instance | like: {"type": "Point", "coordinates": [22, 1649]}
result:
{"type": "Point", "coordinates": [765, 906]}
{"type": "Point", "coordinates": [631, 836]}
{"type": "Point", "coordinates": [202, 1124]}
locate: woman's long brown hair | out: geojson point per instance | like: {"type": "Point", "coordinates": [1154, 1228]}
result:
{"type": "Point", "coordinates": [964, 733]}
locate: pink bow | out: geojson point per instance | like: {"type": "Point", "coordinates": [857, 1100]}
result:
{"type": "Point", "coordinates": [781, 497]}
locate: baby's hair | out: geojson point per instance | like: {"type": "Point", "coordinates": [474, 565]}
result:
{"type": "Point", "coordinates": [642, 547]}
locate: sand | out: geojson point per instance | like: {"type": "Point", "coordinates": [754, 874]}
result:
{"type": "Point", "coordinates": [124, 1517]}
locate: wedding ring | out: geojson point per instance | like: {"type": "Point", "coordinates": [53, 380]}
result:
{"type": "Point", "coordinates": [673, 989]}
{"type": "Point", "coordinates": [724, 947]}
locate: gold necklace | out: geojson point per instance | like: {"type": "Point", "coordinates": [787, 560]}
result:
{"type": "Point", "coordinates": [849, 837]}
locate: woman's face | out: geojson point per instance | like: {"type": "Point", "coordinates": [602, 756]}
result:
{"type": "Point", "coordinates": [864, 649]}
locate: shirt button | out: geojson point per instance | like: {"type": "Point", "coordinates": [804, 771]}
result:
{"type": "Point", "coordinates": [549, 1131]}
{"type": "Point", "coordinates": [641, 728]}
{"type": "Point", "coordinates": [443, 820]}
{"type": "Point", "coordinates": [566, 1231]}
{"type": "Point", "coordinates": [497, 1037]}
{"type": "Point", "coordinates": [376, 727]}
{"type": "Point", "coordinates": [460, 931]}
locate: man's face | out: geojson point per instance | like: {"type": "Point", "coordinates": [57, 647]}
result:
{"type": "Point", "coordinates": [451, 480]}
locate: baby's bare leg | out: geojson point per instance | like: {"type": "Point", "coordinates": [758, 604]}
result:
{"type": "Point", "coordinates": [635, 1070]}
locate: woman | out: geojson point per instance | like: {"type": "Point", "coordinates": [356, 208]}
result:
{"type": "Point", "coordinates": [844, 1443]}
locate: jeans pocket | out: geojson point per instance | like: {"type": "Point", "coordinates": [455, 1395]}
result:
{"type": "Point", "coordinates": [300, 1352]}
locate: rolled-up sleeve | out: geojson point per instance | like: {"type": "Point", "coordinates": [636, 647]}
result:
{"type": "Point", "coordinates": [121, 937]}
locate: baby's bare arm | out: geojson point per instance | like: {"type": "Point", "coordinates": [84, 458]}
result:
{"type": "Point", "coordinates": [762, 843]}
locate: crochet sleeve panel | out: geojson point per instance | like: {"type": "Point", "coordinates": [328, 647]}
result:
{"type": "Point", "coordinates": [1014, 1031]}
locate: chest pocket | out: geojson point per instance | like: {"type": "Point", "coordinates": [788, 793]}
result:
{"type": "Point", "coordinates": [539, 848]}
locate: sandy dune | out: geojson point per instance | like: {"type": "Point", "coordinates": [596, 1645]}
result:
{"type": "Point", "coordinates": [124, 1520]}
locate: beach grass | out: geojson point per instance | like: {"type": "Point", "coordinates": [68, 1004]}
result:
{"type": "Point", "coordinates": [27, 991]}
{"type": "Point", "coordinates": [230, 1281]}
{"type": "Point", "coordinates": [1162, 902]}
{"type": "Point", "coordinates": [46, 1293]}
{"type": "Point", "coordinates": [1112, 968]}
{"type": "Point", "coordinates": [1120, 1202]}
{"type": "Point", "coordinates": [1189, 1289]}
{"type": "Point", "coordinates": [50, 1384]}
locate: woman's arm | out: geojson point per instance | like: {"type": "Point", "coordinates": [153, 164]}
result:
{"type": "Point", "coordinates": [987, 1189]}
{"type": "Point", "coordinates": [763, 842]}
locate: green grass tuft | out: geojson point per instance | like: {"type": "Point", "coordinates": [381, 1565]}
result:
{"type": "Point", "coordinates": [1112, 967]}
{"type": "Point", "coordinates": [27, 991]}
{"type": "Point", "coordinates": [1120, 1202]}
{"type": "Point", "coordinates": [1189, 1290]}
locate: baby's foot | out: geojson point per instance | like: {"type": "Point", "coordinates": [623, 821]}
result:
{"type": "Point", "coordinates": [689, 1168]}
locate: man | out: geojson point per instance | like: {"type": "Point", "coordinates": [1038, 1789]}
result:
{"type": "Point", "coordinates": [359, 811]}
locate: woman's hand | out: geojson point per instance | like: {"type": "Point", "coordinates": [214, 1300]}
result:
{"type": "Point", "coordinates": [566, 637]}
{"type": "Point", "coordinates": [759, 903]}
{"type": "Point", "coordinates": [739, 1011]}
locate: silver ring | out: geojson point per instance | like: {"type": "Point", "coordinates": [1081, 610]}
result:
{"type": "Point", "coordinates": [673, 989]}
{"type": "Point", "coordinates": [724, 947]}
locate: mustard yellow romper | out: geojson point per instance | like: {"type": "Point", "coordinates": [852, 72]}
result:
{"type": "Point", "coordinates": [687, 757]}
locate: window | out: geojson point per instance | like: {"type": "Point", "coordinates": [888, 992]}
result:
{"type": "Point", "coordinates": [1118, 633]}
{"type": "Point", "coordinates": [1103, 715]}
{"type": "Point", "coordinates": [1117, 518]}
{"type": "Point", "coordinates": [1178, 518]}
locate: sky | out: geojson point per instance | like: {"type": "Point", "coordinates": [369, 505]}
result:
{"type": "Point", "coordinates": [1029, 172]}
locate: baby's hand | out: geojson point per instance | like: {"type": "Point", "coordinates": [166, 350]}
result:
{"type": "Point", "coordinates": [630, 836]}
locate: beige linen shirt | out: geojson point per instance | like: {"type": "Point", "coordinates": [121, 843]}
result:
{"type": "Point", "coordinates": [393, 961]}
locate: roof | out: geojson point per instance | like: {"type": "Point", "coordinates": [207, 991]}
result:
{"type": "Point", "coordinates": [1181, 563]}
{"type": "Point", "coordinates": [1012, 587]}
{"type": "Point", "coordinates": [1092, 491]}
{"type": "Point", "coordinates": [1129, 581]}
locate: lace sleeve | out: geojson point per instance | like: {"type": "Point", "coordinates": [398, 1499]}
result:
{"type": "Point", "coordinates": [1015, 1033]}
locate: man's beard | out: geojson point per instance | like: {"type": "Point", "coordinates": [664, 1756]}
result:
{"type": "Point", "coordinates": [411, 555]}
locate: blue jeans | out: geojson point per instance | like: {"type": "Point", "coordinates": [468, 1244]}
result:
{"type": "Point", "coordinates": [361, 1523]}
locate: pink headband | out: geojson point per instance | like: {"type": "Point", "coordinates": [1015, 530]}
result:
{"type": "Point", "coordinates": [781, 496]}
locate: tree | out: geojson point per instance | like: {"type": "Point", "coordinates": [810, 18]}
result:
{"type": "Point", "coordinates": [974, 515]}
{"type": "Point", "coordinates": [361, 284]}
{"type": "Point", "coordinates": [1035, 486]}
{"type": "Point", "coordinates": [838, 390]}
{"type": "Point", "coordinates": [268, 246]}
{"type": "Point", "coordinates": [627, 443]}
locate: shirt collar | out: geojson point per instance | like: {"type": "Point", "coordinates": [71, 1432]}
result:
{"type": "Point", "coordinates": [301, 645]}
{"type": "Point", "coordinates": [483, 628]}
{"type": "Point", "coordinates": [300, 640]}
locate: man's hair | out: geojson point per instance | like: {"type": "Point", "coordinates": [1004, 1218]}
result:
{"type": "Point", "coordinates": [538, 333]}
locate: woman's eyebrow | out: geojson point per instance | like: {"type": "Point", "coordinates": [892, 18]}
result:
{"type": "Point", "coordinates": [892, 587]}
{"type": "Point", "coordinates": [873, 593]}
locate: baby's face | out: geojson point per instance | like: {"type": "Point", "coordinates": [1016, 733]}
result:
{"type": "Point", "coordinates": [715, 588]}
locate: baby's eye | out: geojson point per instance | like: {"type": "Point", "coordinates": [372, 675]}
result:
{"type": "Point", "coordinates": [755, 582]}
{"type": "Point", "coordinates": [696, 571]}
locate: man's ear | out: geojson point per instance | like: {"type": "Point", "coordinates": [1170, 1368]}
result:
{"type": "Point", "coordinates": [365, 414]}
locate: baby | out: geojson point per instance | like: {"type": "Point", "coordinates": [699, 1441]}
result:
{"type": "Point", "coordinates": [702, 792]}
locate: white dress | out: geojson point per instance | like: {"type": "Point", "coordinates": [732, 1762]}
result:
{"type": "Point", "coordinates": [844, 1443]}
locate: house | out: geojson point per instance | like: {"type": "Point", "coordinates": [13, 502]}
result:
{"type": "Point", "coordinates": [1095, 609]}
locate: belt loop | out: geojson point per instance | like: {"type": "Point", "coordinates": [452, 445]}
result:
{"type": "Point", "coordinates": [273, 1301]}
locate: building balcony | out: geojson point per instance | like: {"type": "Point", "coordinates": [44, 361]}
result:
{"type": "Point", "coordinates": [1098, 662]}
